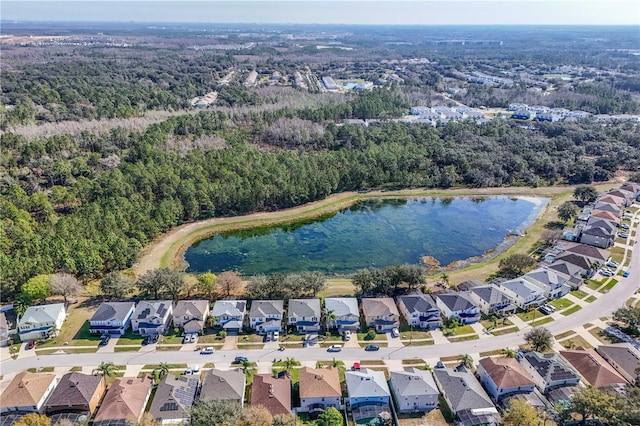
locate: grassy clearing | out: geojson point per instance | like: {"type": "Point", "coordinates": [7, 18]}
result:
{"type": "Point", "coordinates": [250, 345]}
{"type": "Point", "coordinates": [561, 303]}
{"type": "Point", "coordinates": [210, 338]}
{"type": "Point", "coordinates": [169, 366]}
{"type": "Point", "coordinates": [251, 338]}
{"type": "Point", "coordinates": [575, 342]}
{"type": "Point", "coordinates": [67, 350]}
{"type": "Point", "coordinates": [413, 361]}
{"type": "Point", "coordinates": [603, 336]}
{"type": "Point", "coordinates": [166, 348]}
{"type": "Point", "coordinates": [130, 338]}
{"type": "Point", "coordinates": [491, 353]}
{"type": "Point", "coordinates": [530, 315]}
{"type": "Point", "coordinates": [501, 322]}
{"type": "Point", "coordinates": [406, 335]}
{"type": "Point", "coordinates": [361, 337]}
{"type": "Point", "coordinates": [427, 342]}
{"type": "Point", "coordinates": [366, 362]}
{"type": "Point", "coordinates": [595, 284]}
{"type": "Point", "coordinates": [40, 370]}
{"type": "Point", "coordinates": [381, 344]}
{"type": "Point", "coordinates": [505, 331]}
{"type": "Point", "coordinates": [173, 337]}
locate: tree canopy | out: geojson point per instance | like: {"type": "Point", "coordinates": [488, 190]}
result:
{"type": "Point", "coordinates": [539, 338]}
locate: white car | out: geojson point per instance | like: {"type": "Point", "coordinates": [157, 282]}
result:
{"type": "Point", "coordinates": [346, 336]}
{"type": "Point", "coordinates": [606, 273]}
{"type": "Point", "coordinates": [334, 348]}
{"type": "Point", "coordinates": [207, 351]}
{"type": "Point", "coordinates": [613, 264]}
{"type": "Point", "coordinates": [395, 332]}
{"type": "Point", "coordinates": [276, 336]}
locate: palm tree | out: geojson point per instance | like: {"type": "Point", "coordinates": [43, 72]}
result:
{"type": "Point", "coordinates": [427, 367]}
{"type": "Point", "coordinates": [329, 317]}
{"type": "Point", "coordinates": [289, 363]}
{"type": "Point", "coordinates": [509, 353]}
{"type": "Point", "coordinates": [106, 369]}
{"type": "Point", "coordinates": [466, 360]}
{"type": "Point", "coordinates": [163, 369]}
{"type": "Point", "coordinates": [445, 278]}
{"type": "Point", "coordinates": [248, 368]}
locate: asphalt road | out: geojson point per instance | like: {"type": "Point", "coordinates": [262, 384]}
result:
{"type": "Point", "coordinates": [601, 307]}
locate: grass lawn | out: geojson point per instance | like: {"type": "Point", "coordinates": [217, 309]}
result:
{"type": "Point", "coordinates": [41, 370]}
{"type": "Point", "coordinates": [126, 349]}
{"type": "Point", "coordinates": [173, 337]}
{"type": "Point", "coordinates": [295, 363]}
{"type": "Point", "coordinates": [543, 321]}
{"type": "Point", "coordinates": [571, 310]}
{"type": "Point", "coordinates": [413, 361]}
{"type": "Point", "coordinates": [165, 348]}
{"type": "Point", "coordinates": [603, 336]}
{"type": "Point", "coordinates": [575, 342]}
{"type": "Point", "coordinates": [564, 335]}
{"type": "Point", "coordinates": [381, 344]}
{"type": "Point", "coordinates": [407, 335]}
{"type": "Point", "coordinates": [209, 365]}
{"type": "Point", "coordinates": [561, 303]}
{"type": "Point", "coordinates": [338, 287]}
{"type": "Point", "coordinates": [463, 329]}
{"type": "Point", "coordinates": [169, 366]}
{"type": "Point", "coordinates": [505, 331]}
{"type": "Point", "coordinates": [76, 369]}
{"type": "Point", "coordinates": [463, 338]}
{"type": "Point", "coordinates": [250, 345]}
{"type": "Point", "coordinates": [130, 338]}
{"type": "Point", "coordinates": [590, 299]}
{"type": "Point", "coordinates": [210, 338]}
{"type": "Point", "coordinates": [446, 411]}
{"type": "Point", "coordinates": [251, 338]}
{"type": "Point", "coordinates": [578, 293]}
{"type": "Point", "coordinates": [75, 329]}
{"type": "Point", "coordinates": [68, 350]}
{"type": "Point", "coordinates": [530, 315]}
{"type": "Point", "coordinates": [418, 342]}
{"type": "Point", "coordinates": [594, 285]}
{"type": "Point", "coordinates": [378, 337]}
{"type": "Point", "coordinates": [371, 362]}
{"type": "Point", "coordinates": [491, 353]}
{"type": "Point", "coordinates": [609, 285]}
{"type": "Point", "coordinates": [502, 322]}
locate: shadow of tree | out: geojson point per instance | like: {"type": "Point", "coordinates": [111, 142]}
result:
{"type": "Point", "coordinates": [555, 224]}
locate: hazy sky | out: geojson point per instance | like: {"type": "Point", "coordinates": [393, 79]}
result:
{"type": "Point", "coordinates": [563, 12]}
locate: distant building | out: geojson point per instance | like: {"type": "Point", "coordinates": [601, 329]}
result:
{"type": "Point", "coordinates": [330, 84]}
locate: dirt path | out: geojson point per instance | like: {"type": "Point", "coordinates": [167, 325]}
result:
{"type": "Point", "coordinates": [168, 249]}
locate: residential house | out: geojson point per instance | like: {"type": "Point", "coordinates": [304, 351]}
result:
{"type": "Point", "coordinates": [524, 294]}
{"type": "Point", "coordinates": [549, 371]}
{"type": "Point", "coordinates": [304, 314]}
{"type": "Point", "coordinates": [571, 273]}
{"type": "Point", "coordinates": [191, 315]}
{"type": "Point", "coordinates": [458, 305]}
{"type": "Point", "coordinates": [173, 399]}
{"type": "Point", "coordinates": [469, 284]}
{"type": "Point", "coordinates": [616, 200]}
{"type": "Point", "coordinates": [465, 397]}
{"type": "Point", "coordinates": [414, 390]}
{"type": "Point", "coordinates": [420, 310]}
{"type": "Point", "coordinates": [229, 314]}
{"type": "Point", "coordinates": [6, 330]}
{"type": "Point", "coordinates": [41, 321]}
{"type": "Point", "coordinates": [27, 392]}
{"type": "Point", "coordinates": [553, 285]}
{"type": "Point", "coordinates": [266, 316]}
{"type": "Point", "coordinates": [224, 385]}
{"type": "Point", "coordinates": [624, 192]}
{"type": "Point", "coordinates": [319, 389]}
{"type": "Point", "coordinates": [112, 318]}
{"type": "Point", "coordinates": [592, 253]}
{"type": "Point", "coordinates": [381, 313]}
{"type": "Point", "coordinates": [345, 310]}
{"type": "Point", "coordinates": [604, 216]}
{"type": "Point", "coordinates": [76, 393]}
{"type": "Point", "coordinates": [492, 301]}
{"type": "Point", "coordinates": [634, 189]}
{"type": "Point", "coordinates": [608, 208]}
{"type": "Point", "coordinates": [504, 376]}
{"type": "Point", "coordinates": [624, 357]}
{"type": "Point", "coordinates": [152, 317]}
{"type": "Point", "coordinates": [593, 368]}
{"type": "Point", "coordinates": [587, 266]}
{"type": "Point", "coordinates": [124, 402]}
{"type": "Point", "coordinates": [366, 387]}
{"type": "Point", "coordinates": [597, 236]}
{"type": "Point", "coordinates": [274, 393]}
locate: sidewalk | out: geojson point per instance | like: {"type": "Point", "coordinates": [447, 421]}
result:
{"type": "Point", "coordinates": [438, 337]}
{"type": "Point", "coordinates": [518, 322]}
{"type": "Point", "coordinates": [480, 330]}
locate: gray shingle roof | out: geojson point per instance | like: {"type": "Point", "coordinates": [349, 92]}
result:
{"type": "Point", "coordinates": [41, 313]}
{"type": "Point", "coordinates": [366, 382]}
{"type": "Point", "coordinates": [624, 355]}
{"type": "Point", "coordinates": [342, 306]}
{"type": "Point", "coordinates": [456, 301]}
{"type": "Point", "coordinates": [112, 310]}
{"type": "Point", "coordinates": [413, 382]}
{"type": "Point", "coordinates": [223, 385]}
{"type": "Point", "coordinates": [491, 294]}
{"type": "Point", "coordinates": [266, 308]}
{"type": "Point", "coordinates": [521, 287]}
{"type": "Point", "coordinates": [148, 309]}
{"type": "Point", "coordinates": [190, 308]}
{"type": "Point", "coordinates": [304, 308]}
{"type": "Point", "coordinates": [418, 303]}
{"type": "Point", "coordinates": [462, 389]}
{"type": "Point", "coordinates": [174, 397]}
{"type": "Point", "coordinates": [229, 307]}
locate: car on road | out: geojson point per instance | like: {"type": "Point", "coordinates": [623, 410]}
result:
{"type": "Point", "coordinates": [612, 264]}
{"type": "Point", "coordinates": [207, 351]}
{"type": "Point", "coordinates": [334, 348]}
{"type": "Point", "coordinates": [240, 360]}
{"type": "Point", "coordinates": [626, 274]}
{"type": "Point", "coordinates": [623, 235]}
{"type": "Point", "coordinates": [104, 340]}
{"type": "Point", "coordinates": [371, 348]}
{"type": "Point", "coordinates": [346, 336]}
{"type": "Point", "coordinates": [395, 332]}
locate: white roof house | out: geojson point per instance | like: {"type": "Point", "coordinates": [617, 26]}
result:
{"type": "Point", "coordinates": [229, 314]}
{"type": "Point", "coordinates": [41, 321]}
{"type": "Point", "coordinates": [346, 312]}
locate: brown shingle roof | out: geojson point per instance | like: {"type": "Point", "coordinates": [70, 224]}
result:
{"type": "Point", "coordinates": [272, 393]}
{"type": "Point", "coordinates": [125, 399]}
{"type": "Point", "coordinates": [74, 389]}
{"type": "Point", "coordinates": [595, 370]}
{"type": "Point", "coordinates": [319, 382]}
{"type": "Point", "coordinates": [506, 372]}
{"type": "Point", "coordinates": [379, 306]}
{"type": "Point", "coordinates": [26, 389]}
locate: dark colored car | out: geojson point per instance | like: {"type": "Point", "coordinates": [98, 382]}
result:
{"type": "Point", "coordinates": [240, 359]}
{"type": "Point", "coordinates": [30, 344]}
{"type": "Point", "coordinates": [371, 348]}
{"type": "Point", "coordinates": [104, 340]}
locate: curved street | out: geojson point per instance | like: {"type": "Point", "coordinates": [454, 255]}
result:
{"type": "Point", "coordinates": [603, 306]}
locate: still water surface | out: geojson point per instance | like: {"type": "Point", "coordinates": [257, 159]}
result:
{"type": "Point", "coordinates": [371, 233]}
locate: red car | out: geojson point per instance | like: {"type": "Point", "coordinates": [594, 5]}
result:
{"type": "Point", "coordinates": [30, 344]}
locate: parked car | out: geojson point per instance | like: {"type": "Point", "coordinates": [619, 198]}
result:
{"type": "Point", "coordinates": [188, 371]}
{"type": "Point", "coordinates": [334, 348]}
{"type": "Point", "coordinates": [606, 273]}
{"type": "Point", "coordinates": [104, 340]}
{"type": "Point", "coordinates": [346, 336]}
{"type": "Point", "coordinates": [623, 235]}
{"type": "Point", "coordinates": [196, 368]}
{"type": "Point", "coordinates": [276, 336]}
{"type": "Point", "coordinates": [207, 351]}
{"type": "Point", "coordinates": [240, 359]}
{"type": "Point", "coordinates": [30, 344]}
{"type": "Point", "coordinates": [395, 332]}
{"type": "Point", "coordinates": [371, 348]}
{"type": "Point", "coordinates": [624, 226]}
{"type": "Point", "coordinates": [626, 274]}
{"type": "Point", "coordinates": [545, 309]}
{"type": "Point", "coordinates": [612, 264]}
{"type": "Point", "coordinates": [146, 340]}
{"type": "Point", "coordinates": [186, 339]}
{"type": "Point", "coordinates": [356, 366]}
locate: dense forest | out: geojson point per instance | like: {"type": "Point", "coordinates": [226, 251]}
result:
{"type": "Point", "coordinates": [87, 205]}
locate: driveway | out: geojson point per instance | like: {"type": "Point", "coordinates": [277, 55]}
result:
{"type": "Point", "coordinates": [110, 346]}
{"type": "Point", "coordinates": [230, 343]}
{"type": "Point", "coordinates": [393, 342]}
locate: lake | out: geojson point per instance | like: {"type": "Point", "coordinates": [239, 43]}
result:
{"type": "Point", "coordinates": [378, 233]}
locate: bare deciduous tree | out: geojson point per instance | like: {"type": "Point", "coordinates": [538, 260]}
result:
{"type": "Point", "coordinates": [229, 281]}
{"type": "Point", "coordinates": [65, 285]}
